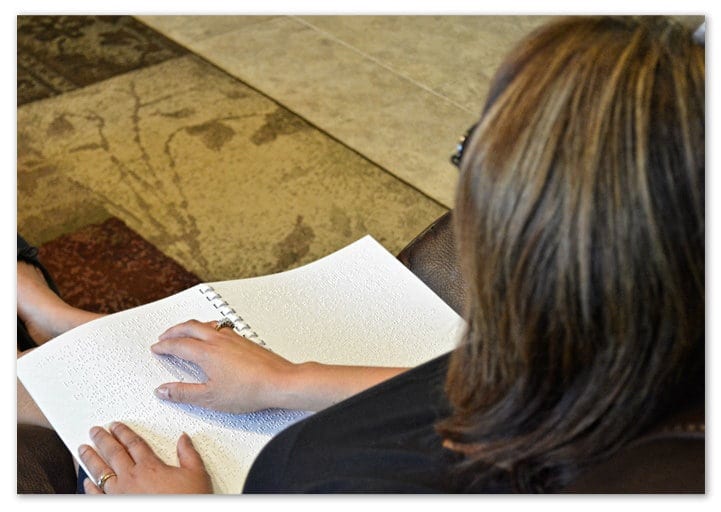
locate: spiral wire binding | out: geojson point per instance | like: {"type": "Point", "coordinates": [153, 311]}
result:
{"type": "Point", "coordinates": [240, 325]}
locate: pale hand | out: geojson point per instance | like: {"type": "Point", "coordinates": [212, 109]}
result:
{"type": "Point", "coordinates": [242, 376]}
{"type": "Point", "coordinates": [135, 467]}
{"type": "Point", "coordinates": [245, 377]}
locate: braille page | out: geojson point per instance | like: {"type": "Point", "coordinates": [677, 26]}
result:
{"type": "Point", "coordinates": [357, 306]}
{"type": "Point", "coordinates": [104, 371]}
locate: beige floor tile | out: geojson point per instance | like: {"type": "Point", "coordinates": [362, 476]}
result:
{"type": "Point", "coordinates": [397, 89]}
{"type": "Point", "coordinates": [214, 174]}
{"type": "Point", "coordinates": [454, 56]}
{"type": "Point", "coordinates": [189, 29]}
{"type": "Point", "coordinates": [387, 118]}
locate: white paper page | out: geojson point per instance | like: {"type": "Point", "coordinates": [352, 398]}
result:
{"type": "Point", "coordinates": [359, 305]}
{"type": "Point", "coordinates": [104, 371]}
{"type": "Point", "coordinates": [356, 306]}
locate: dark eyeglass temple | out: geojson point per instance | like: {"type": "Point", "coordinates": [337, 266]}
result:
{"type": "Point", "coordinates": [461, 146]}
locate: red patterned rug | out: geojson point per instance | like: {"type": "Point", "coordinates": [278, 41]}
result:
{"type": "Point", "coordinates": [108, 267]}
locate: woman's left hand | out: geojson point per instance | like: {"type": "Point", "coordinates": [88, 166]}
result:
{"type": "Point", "coordinates": [135, 469]}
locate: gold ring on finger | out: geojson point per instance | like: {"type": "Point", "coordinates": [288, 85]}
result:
{"type": "Point", "coordinates": [104, 478]}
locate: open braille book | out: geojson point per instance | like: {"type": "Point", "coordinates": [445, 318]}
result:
{"type": "Point", "coordinates": [359, 305]}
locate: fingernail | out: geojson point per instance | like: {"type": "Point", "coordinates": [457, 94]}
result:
{"type": "Point", "coordinates": [82, 449]}
{"type": "Point", "coordinates": [112, 426]}
{"type": "Point", "coordinates": [95, 431]}
{"type": "Point", "coordinates": [162, 392]}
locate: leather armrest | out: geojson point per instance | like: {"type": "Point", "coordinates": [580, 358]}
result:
{"type": "Point", "coordinates": [432, 257]}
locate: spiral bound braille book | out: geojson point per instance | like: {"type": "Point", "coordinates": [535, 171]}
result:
{"type": "Point", "coordinates": [359, 306]}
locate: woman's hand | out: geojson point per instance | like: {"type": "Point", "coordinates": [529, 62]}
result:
{"type": "Point", "coordinates": [242, 376]}
{"type": "Point", "coordinates": [245, 377]}
{"type": "Point", "coordinates": [127, 465]}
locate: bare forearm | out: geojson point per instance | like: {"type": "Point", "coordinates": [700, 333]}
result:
{"type": "Point", "coordinates": [314, 386]}
{"type": "Point", "coordinates": [245, 377]}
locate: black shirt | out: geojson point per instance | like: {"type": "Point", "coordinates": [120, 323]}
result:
{"type": "Point", "coordinates": [380, 440]}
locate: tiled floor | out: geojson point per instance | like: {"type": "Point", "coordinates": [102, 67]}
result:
{"type": "Point", "coordinates": [397, 89]}
{"type": "Point", "coordinates": [282, 139]}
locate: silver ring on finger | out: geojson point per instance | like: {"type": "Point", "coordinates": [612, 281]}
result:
{"type": "Point", "coordinates": [225, 322]}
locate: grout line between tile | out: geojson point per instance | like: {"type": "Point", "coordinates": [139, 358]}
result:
{"type": "Point", "coordinates": [381, 64]}
{"type": "Point", "coordinates": [209, 61]}
{"type": "Point", "coordinates": [180, 37]}
{"type": "Point", "coordinates": [194, 52]}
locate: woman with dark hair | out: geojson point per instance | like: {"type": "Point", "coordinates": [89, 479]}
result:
{"type": "Point", "coordinates": [580, 230]}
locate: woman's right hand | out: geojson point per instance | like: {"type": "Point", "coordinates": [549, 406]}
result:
{"type": "Point", "coordinates": [242, 375]}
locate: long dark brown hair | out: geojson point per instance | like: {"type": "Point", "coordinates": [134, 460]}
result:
{"type": "Point", "coordinates": [580, 225]}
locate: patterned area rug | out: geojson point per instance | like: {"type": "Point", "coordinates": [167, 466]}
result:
{"type": "Point", "coordinates": [220, 178]}
{"type": "Point", "coordinates": [215, 175]}
{"type": "Point", "coordinates": [108, 267]}
{"type": "Point", "coordinates": [57, 54]}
